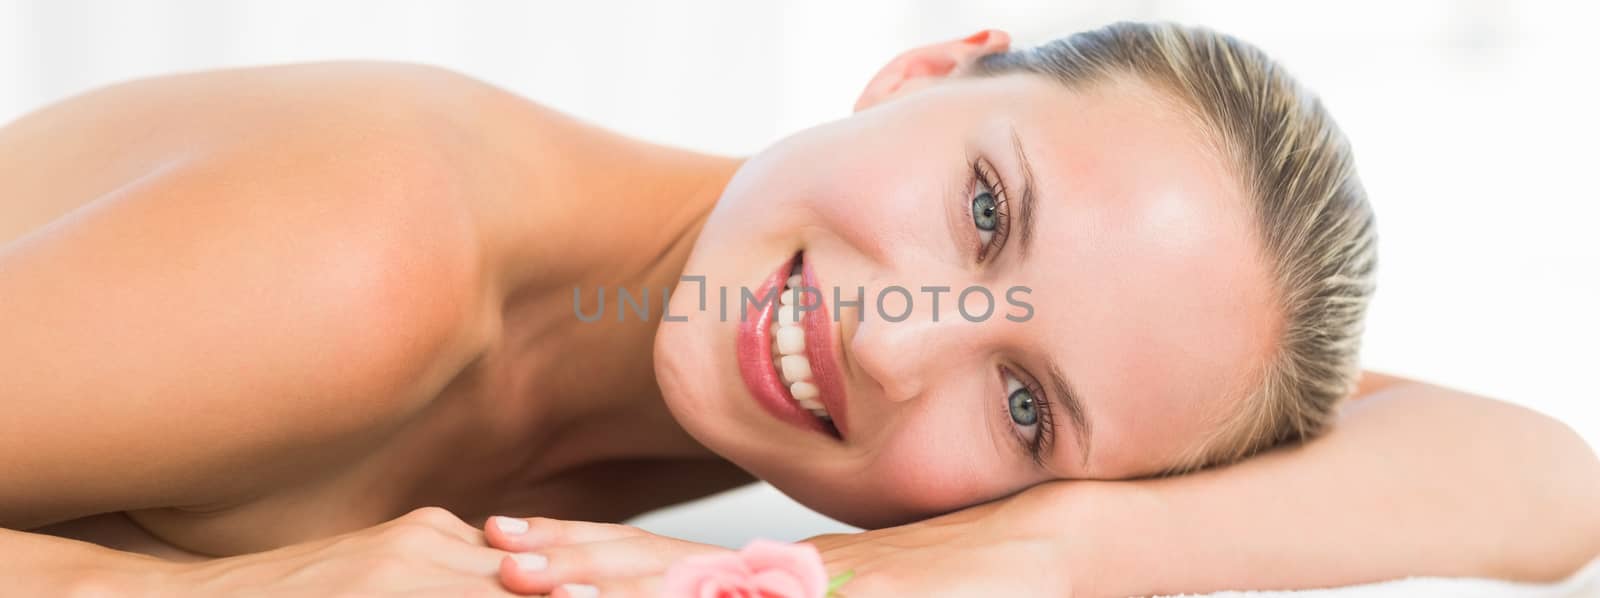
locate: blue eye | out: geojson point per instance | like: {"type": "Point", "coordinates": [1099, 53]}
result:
{"type": "Point", "coordinates": [1029, 411]}
{"type": "Point", "coordinates": [1022, 407]}
{"type": "Point", "coordinates": [985, 212]}
{"type": "Point", "coordinates": [988, 210]}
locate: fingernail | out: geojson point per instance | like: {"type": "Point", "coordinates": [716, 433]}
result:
{"type": "Point", "coordinates": [978, 38]}
{"type": "Point", "coordinates": [578, 590]}
{"type": "Point", "coordinates": [528, 561]}
{"type": "Point", "coordinates": [510, 525]}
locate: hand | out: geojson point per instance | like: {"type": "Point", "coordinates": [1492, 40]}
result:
{"type": "Point", "coordinates": [1012, 547]}
{"type": "Point", "coordinates": [1019, 546]}
{"type": "Point", "coordinates": [427, 552]}
{"type": "Point", "coordinates": [579, 559]}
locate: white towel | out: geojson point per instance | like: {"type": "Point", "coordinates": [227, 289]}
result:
{"type": "Point", "coordinates": [1584, 584]}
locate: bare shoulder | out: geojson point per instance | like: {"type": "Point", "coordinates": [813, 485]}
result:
{"type": "Point", "coordinates": [358, 120]}
{"type": "Point", "coordinates": [340, 176]}
{"type": "Point", "coordinates": [268, 271]}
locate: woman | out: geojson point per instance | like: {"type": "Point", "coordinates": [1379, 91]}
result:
{"type": "Point", "coordinates": [257, 318]}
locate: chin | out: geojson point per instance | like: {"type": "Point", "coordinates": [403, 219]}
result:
{"type": "Point", "coordinates": [685, 373]}
{"type": "Point", "coordinates": [695, 382]}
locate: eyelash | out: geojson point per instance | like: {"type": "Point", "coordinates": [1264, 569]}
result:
{"type": "Point", "coordinates": [984, 178]}
{"type": "Point", "coordinates": [1040, 445]}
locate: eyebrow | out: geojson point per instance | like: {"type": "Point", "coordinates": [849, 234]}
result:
{"type": "Point", "coordinates": [1070, 402]}
{"type": "Point", "coordinates": [1026, 213]}
{"type": "Point", "coordinates": [1065, 397]}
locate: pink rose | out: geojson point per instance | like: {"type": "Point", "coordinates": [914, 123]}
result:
{"type": "Point", "coordinates": [763, 569]}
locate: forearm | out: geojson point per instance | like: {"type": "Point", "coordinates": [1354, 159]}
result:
{"type": "Point", "coordinates": [1415, 480]}
{"type": "Point", "coordinates": [39, 565]}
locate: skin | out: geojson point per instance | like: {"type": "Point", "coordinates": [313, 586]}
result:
{"type": "Point", "coordinates": [359, 308]}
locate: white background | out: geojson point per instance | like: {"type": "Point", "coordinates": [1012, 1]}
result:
{"type": "Point", "coordinates": [1474, 124]}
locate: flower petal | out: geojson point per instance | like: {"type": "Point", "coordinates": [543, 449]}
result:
{"type": "Point", "coordinates": [773, 583]}
{"type": "Point", "coordinates": [800, 561]}
{"type": "Point", "coordinates": [706, 576]}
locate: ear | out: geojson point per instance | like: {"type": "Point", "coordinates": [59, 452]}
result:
{"type": "Point", "coordinates": [920, 67]}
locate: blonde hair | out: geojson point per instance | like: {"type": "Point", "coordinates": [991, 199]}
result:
{"type": "Point", "coordinates": [1316, 229]}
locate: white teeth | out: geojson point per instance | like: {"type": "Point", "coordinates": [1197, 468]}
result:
{"type": "Point", "coordinates": [791, 340]}
{"type": "Point", "coordinates": [790, 297]}
{"type": "Point", "coordinates": [788, 351]}
{"type": "Point", "coordinates": [795, 368]}
{"type": "Point", "coordinates": [804, 392]}
{"type": "Point", "coordinates": [788, 314]}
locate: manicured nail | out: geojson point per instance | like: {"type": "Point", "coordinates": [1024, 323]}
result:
{"type": "Point", "coordinates": [578, 590]}
{"type": "Point", "coordinates": [528, 561]}
{"type": "Point", "coordinates": [978, 38]}
{"type": "Point", "coordinates": [510, 525]}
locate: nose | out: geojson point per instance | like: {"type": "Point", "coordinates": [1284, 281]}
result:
{"type": "Point", "coordinates": [906, 349]}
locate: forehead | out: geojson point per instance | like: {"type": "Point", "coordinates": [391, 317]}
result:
{"type": "Point", "coordinates": [1148, 285]}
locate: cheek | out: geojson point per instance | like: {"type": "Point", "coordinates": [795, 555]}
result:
{"type": "Point", "coordinates": [884, 211]}
{"type": "Point", "coordinates": [940, 461]}
{"type": "Point", "coordinates": [878, 186]}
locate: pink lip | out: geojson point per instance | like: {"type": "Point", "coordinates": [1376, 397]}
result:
{"type": "Point", "coordinates": [754, 348]}
{"type": "Point", "coordinates": [819, 351]}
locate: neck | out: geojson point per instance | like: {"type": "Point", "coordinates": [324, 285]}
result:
{"type": "Point", "coordinates": [598, 213]}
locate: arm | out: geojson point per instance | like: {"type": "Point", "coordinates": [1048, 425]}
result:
{"type": "Point", "coordinates": [1415, 480]}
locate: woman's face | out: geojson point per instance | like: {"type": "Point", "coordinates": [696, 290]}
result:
{"type": "Point", "coordinates": [1129, 305]}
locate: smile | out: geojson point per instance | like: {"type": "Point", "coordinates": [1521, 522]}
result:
{"type": "Point", "coordinates": [789, 346]}
{"type": "Point", "coordinates": [785, 351]}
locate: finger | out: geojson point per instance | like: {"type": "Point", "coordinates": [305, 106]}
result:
{"type": "Point", "coordinates": [519, 535]}
{"type": "Point", "coordinates": [546, 569]}
{"type": "Point", "coordinates": [648, 586]}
